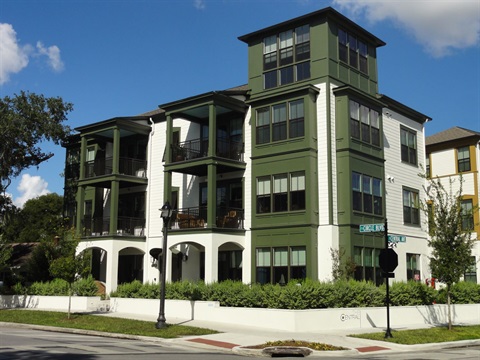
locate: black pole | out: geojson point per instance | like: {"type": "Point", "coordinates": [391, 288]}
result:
{"type": "Point", "coordinates": [161, 321]}
{"type": "Point", "coordinates": [388, 333]}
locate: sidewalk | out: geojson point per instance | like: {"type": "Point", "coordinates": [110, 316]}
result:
{"type": "Point", "coordinates": [236, 338]}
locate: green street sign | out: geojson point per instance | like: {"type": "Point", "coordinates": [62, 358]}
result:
{"type": "Point", "coordinates": [364, 228]}
{"type": "Point", "coordinates": [397, 238]}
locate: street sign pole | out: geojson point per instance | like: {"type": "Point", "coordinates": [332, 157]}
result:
{"type": "Point", "coordinates": [388, 333]}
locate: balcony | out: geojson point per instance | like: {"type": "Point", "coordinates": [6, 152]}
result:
{"type": "Point", "coordinates": [198, 148]}
{"type": "Point", "coordinates": [126, 166]}
{"type": "Point", "coordinates": [196, 218]}
{"type": "Point", "coordinates": [100, 226]}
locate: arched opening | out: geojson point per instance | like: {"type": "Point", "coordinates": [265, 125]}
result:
{"type": "Point", "coordinates": [130, 265]}
{"type": "Point", "coordinates": [230, 262]}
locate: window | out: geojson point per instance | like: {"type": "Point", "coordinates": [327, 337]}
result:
{"type": "Point", "coordinates": [363, 56]}
{"type": "Point", "coordinates": [411, 213]}
{"type": "Point", "coordinates": [342, 46]}
{"type": "Point", "coordinates": [280, 193]}
{"type": "Point", "coordinates": [263, 125]}
{"type": "Point", "coordinates": [279, 127]}
{"type": "Point", "coordinates": [270, 53]}
{"type": "Point", "coordinates": [287, 121]}
{"type": "Point", "coordinates": [471, 271]}
{"type": "Point", "coordinates": [284, 57]}
{"type": "Point", "coordinates": [287, 193]}
{"type": "Point", "coordinates": [302, 43]}
{"type": "Point", "coordinates": [375, 127]}
{"type": "Point", "coordinates": [463, 155]}
{"type": "Point", "coordinates": [296, 116]}
{"type": "Point", "coordinates": [280, 264]}
{"type": "Point", "coordinates": [357, 191]}
{"type": "Point", "coordinates": [297, 191]}
{"type": "Point", "coordinates": [367, 266]}
{"type": "Point", "coordinates": [352, 51]}
{"type": "Point", "coordinates": [263, 259]}
{"type": "Point", "coordinates": [377, 196]}
{"type": "Point", "coordinates": [263, 195]}
{"type": "Point", "coordinates": [413, 264]}
{"type": "Point", "coordinates": [408, 140]}
{"type": "Point", "coordinates": [364, 123]}
{"type": "Point", "coordinates": [467, 214]}
{"type": "Point", "coordinates": [367, 194]}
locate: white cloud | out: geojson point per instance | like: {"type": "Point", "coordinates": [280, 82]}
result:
{"type": "Point", "coordinates": [13, 58]}
{"type": "Point", "coordinates": [439, 26]}
{"type": "Point", "coordinates": [53, 54]}
{"type": "Point", "coordinates": [30, 187]}
{"type": "Point", "coordinates": [199, 4]}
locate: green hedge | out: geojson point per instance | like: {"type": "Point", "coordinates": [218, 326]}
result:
{"type": "Point", "coordinates": [304, 295]}
{"type": "Point", "coordinates": [58, 287]}
{"type": "Point", "coordinates": [295, 295]}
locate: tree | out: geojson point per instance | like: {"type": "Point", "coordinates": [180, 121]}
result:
{"type": "Point", "coordinates": [27, 120]}
{"type": "Point", "coordinates": [66, 264]}
{"type": "Point", "coordinates": [341, 269]}
{"type": "Point", "coordinates": [40, 218]}
{"type": "Point", "coordinates": [39, 221]}
{"type": "Point", "coordinates": [6, 209]}
{"type": "Point", "coordinates": [450, 239]}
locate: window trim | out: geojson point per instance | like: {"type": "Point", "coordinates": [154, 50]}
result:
{"type": "Point", "coordinates": [353, 51]}
{"type": "Point", "coordinates": [271, 181]}
{"type": "Point", "coordinates": [364, 123]}
{"type": "Point", "coordinates": [362, 194]}
{"type": "Point", "coordinates": [409, 148]}
{"type": "Point", "coordinates": [286, 56]}
{"type": "Point", "coordinates": [264, 131]}
{"type": "Point", "coordinates": [411, 213]}
{"type": "Point", "coordinates": [464, 162]}
{"type": "Point", "coordinates": [270, 261]}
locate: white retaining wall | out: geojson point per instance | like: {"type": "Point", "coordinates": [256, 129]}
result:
{"type": "Point", "coordinates": [273, 319]}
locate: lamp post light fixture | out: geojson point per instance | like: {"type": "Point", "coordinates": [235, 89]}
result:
{"type": "Point", "coordinates": [166, 214]}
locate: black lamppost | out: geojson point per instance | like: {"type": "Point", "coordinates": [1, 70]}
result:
{"type": "Point", "coordinates": [166, 214]}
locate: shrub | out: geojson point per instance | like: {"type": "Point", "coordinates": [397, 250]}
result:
{"type": "Point", "coordinates": [411, 293]}
{"type": "Point", "coordinates": [56, 287]}
{"type": "Point", "coordinates": [463, 292]}
{"type": "Point", "coordinates": [85, 287]}
{"type": "Point", "coordinates": [306, 294]}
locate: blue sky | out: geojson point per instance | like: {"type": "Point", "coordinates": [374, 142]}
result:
{"type": "Point", "coordinates": [125, 57]}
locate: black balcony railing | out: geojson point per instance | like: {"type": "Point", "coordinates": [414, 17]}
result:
{"type": "Point", "coordinates": [196, 218]}
{"type": "Point", "coordinates": [194, 149]}
{"type": "Point", "coordinates": [100, 226]}
{"type": "Point", "coordinates": [126, 166]}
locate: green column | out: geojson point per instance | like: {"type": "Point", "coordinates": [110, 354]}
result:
{"type": "Point", "coordinates": [116, 151]}
{"type": "Point", "coordinates": [83, 156]}
{"type": "Point", "coordinates": [80, 198]}
{"type": "Point", "coordinates": [167, 187]}
{"type": "Point", "coordinates": [114, 194]}
{"type": "Point", "coordinates": [212, 195]}
{"type": "Point", "coordinates": [212, 130]}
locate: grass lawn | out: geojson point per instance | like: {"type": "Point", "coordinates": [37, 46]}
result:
{"type": "Point", "coordinates": [425, 336]}
{"type": "Point", "coordinates": [99, 323]}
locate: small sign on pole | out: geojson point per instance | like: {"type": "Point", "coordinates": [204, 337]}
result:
{"type": "Point", "coordinates": [364, 228]}
{"type": "Point", "coordinates": [397, 238]}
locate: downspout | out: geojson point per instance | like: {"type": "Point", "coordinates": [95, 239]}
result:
{"type": "Point", "coordinates": [149, 167]}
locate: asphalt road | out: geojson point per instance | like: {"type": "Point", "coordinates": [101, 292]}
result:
{"type": "Point", "coordinates": [19, 343]}
{"type": "Point", "coordinates": [24, 343]}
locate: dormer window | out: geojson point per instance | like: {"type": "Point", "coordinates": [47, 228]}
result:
{"type": "Point", "coordinates": [352, 51]}
{"type": "Point", "coordinates": [286, 57]}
